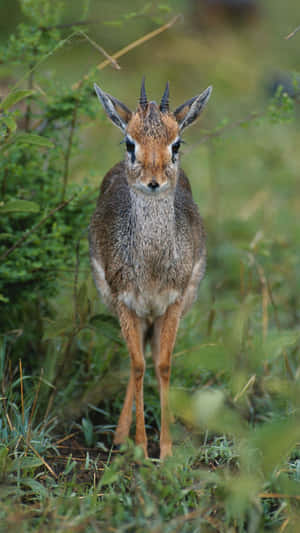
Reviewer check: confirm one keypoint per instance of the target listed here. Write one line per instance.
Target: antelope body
(147, 245)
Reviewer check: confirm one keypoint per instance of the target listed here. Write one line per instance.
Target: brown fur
(147, 246)
(143, 126)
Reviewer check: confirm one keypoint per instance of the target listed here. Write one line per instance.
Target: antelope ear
(188, 112)
(118, 113)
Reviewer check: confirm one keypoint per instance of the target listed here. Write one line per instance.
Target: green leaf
(19, 206)
(108, 325)
(277, 341)
(165, 8)
(31, 138)
(56, 328)
(88, 431)
(10, 123)
(109, 477)
(26, 463)
(4, 458)
(14, 97)
(103, 319)
(274, 441)
(36, 487)
(113, 23)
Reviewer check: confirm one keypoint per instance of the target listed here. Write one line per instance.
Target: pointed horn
(143, 97)
(164, 104)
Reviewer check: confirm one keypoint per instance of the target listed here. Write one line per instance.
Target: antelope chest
(149, 264)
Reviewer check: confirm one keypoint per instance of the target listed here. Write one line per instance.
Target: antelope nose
(153, 184)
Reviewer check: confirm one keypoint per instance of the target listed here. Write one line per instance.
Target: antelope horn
(143, 97)
(164, 104)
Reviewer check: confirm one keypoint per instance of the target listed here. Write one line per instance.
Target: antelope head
(153, 137)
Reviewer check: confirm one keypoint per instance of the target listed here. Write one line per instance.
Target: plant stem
(131, 46)
(75, 289)
(30, 87)
(68, 151)
(4, 181)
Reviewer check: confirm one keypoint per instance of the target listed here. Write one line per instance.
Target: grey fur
(147, 243)
(142, 242)
(147, 246)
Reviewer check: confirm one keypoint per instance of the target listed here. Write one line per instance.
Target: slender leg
(132, 331)
(155, 347)
(125, 419)
(155, 350)
(166, 329)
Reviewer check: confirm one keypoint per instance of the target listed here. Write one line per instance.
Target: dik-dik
(147, 244)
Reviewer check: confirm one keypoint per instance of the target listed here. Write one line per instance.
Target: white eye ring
(174, 148)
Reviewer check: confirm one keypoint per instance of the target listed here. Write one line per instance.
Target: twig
(227, 127)
(98, 47)
(33, 408)
(43, 461)
(68, 25)
(60, 44)
(142, 40)
(9, 422)
(68, 151)
(290, 35)
(277, 322)
(264, 285)
(28, 107)
(249, 383)
(49, 405)
(265, 298)
(66, 357)
(75, 289)
(67, 437)
(231, 126)
(267, 294)
(22, 391)
(131, 46)
(30, 87)
(4, 181)
(284, 525)
(265, 495)
(27, 234)
(288, 367)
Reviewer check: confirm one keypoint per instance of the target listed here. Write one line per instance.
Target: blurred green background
(236, 368)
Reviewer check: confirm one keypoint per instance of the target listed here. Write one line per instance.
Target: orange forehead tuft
(152, 123)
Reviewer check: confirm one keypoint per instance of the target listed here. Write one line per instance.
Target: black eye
(130, 146)
(175, 149)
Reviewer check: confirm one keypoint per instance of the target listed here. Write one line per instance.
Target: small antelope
(147, 244)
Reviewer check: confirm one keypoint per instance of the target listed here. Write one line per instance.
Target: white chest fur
(149, 304)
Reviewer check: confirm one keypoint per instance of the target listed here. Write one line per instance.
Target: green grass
(236, 369)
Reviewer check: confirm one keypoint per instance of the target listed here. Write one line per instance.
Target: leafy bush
(42, 217)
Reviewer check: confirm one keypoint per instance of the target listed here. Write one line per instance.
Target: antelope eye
(175, 149)
(130, 147)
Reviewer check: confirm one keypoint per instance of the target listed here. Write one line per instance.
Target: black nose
(153, 185)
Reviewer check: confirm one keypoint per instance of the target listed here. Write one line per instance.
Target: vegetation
(63, 365)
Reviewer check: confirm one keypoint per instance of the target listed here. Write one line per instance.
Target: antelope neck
(153, 224)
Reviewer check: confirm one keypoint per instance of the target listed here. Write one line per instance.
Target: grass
(236, 371)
